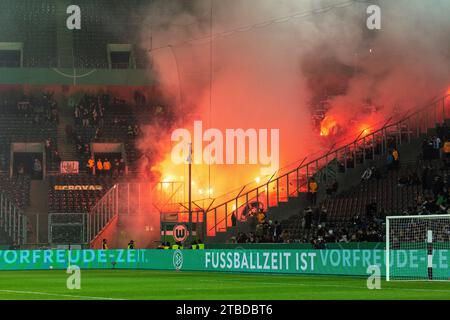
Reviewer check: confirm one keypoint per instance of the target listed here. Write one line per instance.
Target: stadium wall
(63, 76)
(309, 262)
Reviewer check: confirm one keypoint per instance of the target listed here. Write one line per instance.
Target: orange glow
(328, 126)
(365, 129)
(207, 182)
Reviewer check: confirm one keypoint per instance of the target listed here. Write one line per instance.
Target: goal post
(418, 247)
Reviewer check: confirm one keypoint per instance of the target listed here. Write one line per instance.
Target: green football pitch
(164, 285)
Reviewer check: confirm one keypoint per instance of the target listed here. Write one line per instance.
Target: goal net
(418, 247)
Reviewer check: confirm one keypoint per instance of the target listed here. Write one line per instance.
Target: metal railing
(12, 220)
(122, 199)
(103, 211)
(290, 182)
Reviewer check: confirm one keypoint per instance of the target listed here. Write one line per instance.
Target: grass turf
(165, 285)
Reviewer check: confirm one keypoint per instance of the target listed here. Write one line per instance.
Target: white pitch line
(329, 286)
(57, 294)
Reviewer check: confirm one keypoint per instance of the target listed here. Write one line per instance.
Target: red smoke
(269, 77)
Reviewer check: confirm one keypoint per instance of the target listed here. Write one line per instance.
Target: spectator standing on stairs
(312, 188)
(98, 134)
(437, 144)
(37, 169)
(85, 119)
(396, 160)
(130, 131)
(233, 219)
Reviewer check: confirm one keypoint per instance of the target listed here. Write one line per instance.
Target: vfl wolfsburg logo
(180, 232)
(177, 259)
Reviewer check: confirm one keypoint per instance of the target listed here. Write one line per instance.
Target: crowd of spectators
(42, 110)
(369, 226)
(317, 230)
(90, 110)
(102, 166)
(266, 232)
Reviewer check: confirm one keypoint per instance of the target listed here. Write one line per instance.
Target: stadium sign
(78, 187)
(69, 167)
(180, 232)
(329, 262)
(178, 259)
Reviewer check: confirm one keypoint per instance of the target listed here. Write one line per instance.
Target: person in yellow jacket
(91, 165)
(99, 167)
(313, 187)
(104, 244)
(261, 216)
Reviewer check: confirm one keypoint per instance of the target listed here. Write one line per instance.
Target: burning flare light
(328, 126)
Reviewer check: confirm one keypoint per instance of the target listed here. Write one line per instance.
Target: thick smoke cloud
(268, 76)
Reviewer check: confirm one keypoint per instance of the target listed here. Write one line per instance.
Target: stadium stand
(357, 214)
(76, 193)
(28, 118)
(90, 45)
(32, 23)
(104, 118)
(16, 188)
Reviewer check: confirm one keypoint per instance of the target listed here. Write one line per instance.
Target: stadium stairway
(37, 212)
(409, 152)
(66, 149)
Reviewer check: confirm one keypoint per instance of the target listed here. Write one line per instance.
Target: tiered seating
(24, 126)
(74, 199)
(33, 23)
(17, 189)
(116, 121)
(120, 17)
(389, 196)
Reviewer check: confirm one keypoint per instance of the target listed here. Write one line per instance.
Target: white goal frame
(429, 239)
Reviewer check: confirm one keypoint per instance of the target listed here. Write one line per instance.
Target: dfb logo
(74, 20)
(74, 281)
(374, 20)
(374, 280)
(180, 232)
(177, 260)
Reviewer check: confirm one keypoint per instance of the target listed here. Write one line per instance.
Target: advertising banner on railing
(330, 262)
(69, 167)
